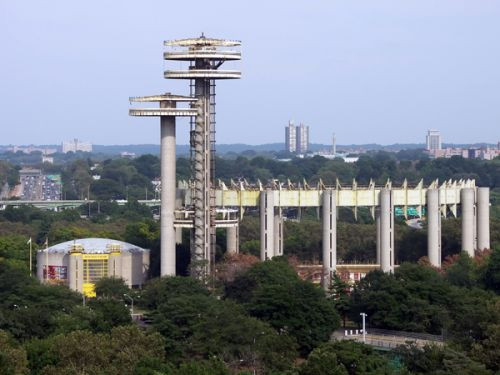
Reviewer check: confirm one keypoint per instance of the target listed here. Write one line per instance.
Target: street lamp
(132, 305)
(364, 326)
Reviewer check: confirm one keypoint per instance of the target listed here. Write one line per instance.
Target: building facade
(433, 140)
(297, 138)
(290, 137)
(302, 138)
(76, 145)
(79, 264)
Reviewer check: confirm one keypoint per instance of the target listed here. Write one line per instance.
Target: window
(95, 267)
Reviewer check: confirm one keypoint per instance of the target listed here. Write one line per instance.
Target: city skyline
(377, 75)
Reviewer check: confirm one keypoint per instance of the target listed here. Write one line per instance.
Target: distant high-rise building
(302, 138)
(76, 145)
(296, 138)
(433, 140)
(290, 137)
(334, 145)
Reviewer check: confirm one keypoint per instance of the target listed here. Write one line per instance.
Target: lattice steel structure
(205, 56)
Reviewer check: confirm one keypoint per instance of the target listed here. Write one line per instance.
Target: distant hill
(237, 148)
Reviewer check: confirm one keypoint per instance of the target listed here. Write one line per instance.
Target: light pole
(132, 305)
(364, 326)
(31, 255)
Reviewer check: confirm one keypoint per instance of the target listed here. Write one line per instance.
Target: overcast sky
(370, 71)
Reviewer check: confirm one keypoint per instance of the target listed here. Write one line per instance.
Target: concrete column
(483, 218)
(386, 230)
(232, 240)
(115, 264)
(329, 208)
(75, 275)
(467, 202)
(266, 224)
(178, 236)
(433, 228)
(278, 235)
(168, 189)
(377, 226)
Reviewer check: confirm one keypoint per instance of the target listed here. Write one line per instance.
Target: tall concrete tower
(302, 138)
(167, 111)
(433, 140)
(290, 137)
(204, 57)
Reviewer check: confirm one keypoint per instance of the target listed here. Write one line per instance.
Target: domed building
(81, 263)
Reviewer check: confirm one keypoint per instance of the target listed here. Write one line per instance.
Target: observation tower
(167, 111)
(204, 57)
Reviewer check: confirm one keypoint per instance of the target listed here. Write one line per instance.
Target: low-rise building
(80, 263)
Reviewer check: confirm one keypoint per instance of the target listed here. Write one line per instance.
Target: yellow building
(82, 262)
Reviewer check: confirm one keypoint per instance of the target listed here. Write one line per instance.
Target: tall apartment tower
(302, 138)
(290, 137)
(76, 145)
(433, 140)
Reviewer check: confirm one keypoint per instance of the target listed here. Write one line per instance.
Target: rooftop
(94, 246)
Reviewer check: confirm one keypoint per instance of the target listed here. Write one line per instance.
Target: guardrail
(413, 335)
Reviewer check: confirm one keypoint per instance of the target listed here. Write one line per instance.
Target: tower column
(168, 188)
(483, 218)
(467, 202)
(278, 235)
(377, 226)
(266, 224)
(329, 224)
(386, 230)
(115, 263)
(76, 271)
(433, 228)
(232, 240)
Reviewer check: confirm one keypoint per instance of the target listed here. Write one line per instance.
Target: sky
(369, 71)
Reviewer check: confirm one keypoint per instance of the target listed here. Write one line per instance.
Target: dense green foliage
(263, 317)
(345, 358)
(262, 320)
(273, 292)
(195, 324)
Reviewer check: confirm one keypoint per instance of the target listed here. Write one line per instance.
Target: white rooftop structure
(94, 246)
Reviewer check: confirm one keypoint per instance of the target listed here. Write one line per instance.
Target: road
(388, 341)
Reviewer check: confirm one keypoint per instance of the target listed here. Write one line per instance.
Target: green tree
(111, 287)
(109, 313)
(491, 275)
(462, 272)
(160, 290)
(13, 359)
(273, 292)
(486, 349)
(434, 360)
(414, 298)
(339, 295)
(196, 324)
(119, 352)
(345, 357)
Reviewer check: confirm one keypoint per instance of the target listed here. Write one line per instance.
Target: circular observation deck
(201, 41)
(202, 73)
(190, 55)
(162, 112)
(162, 98)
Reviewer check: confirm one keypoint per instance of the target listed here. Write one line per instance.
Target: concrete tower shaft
(483, 218)
(204, 56)
(467, 198)
(433, 227)
(167, 112)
